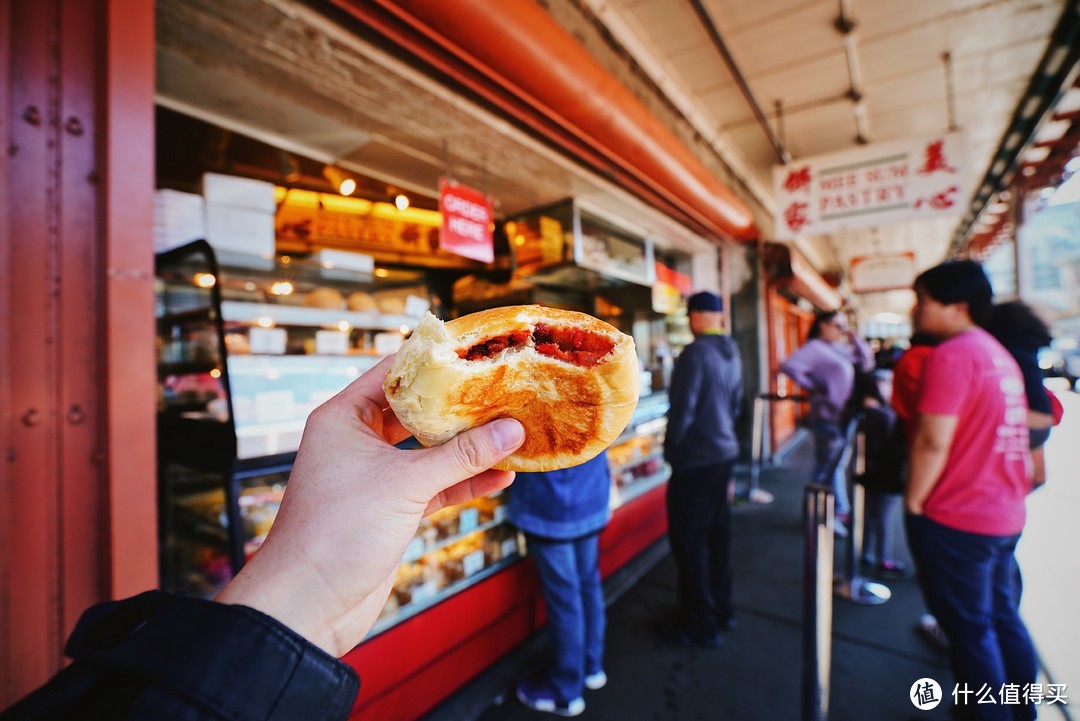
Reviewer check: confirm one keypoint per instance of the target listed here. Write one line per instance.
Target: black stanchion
(818, 520)
(852, 586)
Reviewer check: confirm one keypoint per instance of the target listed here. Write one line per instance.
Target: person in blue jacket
(562, 513)
(706, 398)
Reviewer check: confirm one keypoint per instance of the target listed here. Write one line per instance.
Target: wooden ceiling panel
(728, 106)
(908, 90)
(890, 56)
(796, 38)
(803, 81)
(701, 70)
(825, 129)
(669, 32)
(737, 16)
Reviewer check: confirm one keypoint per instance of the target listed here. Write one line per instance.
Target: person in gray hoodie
(706, 397)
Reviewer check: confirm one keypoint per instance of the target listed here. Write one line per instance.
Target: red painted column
(77, 385)
(126, 107)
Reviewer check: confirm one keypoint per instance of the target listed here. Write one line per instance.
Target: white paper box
(346, 260)
(179, 218)
(387, 343)
(240, 230)
(239, 192)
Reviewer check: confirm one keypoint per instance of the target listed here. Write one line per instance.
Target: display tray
(625, 494)
(409, 610)
(233, 311)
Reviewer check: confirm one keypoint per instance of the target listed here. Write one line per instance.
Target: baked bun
(571, 380)
(362, 302)
(323, 297)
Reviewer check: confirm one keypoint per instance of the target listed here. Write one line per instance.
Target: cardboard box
(239, 192)
(240, 230)
(179, 218)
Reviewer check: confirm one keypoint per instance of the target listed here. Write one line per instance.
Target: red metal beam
(513, 55)
(78, 493)
(32, 647)
(126, 106)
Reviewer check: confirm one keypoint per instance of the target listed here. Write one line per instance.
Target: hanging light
(345, 183)
(205, 280)
(401, 201)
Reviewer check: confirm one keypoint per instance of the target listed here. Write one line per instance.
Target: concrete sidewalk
(877, 654)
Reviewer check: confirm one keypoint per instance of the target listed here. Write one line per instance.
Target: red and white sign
(467, 221)
(869, 186)
(871, 273)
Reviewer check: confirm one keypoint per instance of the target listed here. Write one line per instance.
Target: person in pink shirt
(967, 481)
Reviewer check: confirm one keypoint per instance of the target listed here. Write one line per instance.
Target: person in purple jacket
(825, 368)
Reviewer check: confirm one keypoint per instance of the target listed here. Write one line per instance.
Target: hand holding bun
(570, 379)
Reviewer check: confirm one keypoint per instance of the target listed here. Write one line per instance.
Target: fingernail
(508, 433)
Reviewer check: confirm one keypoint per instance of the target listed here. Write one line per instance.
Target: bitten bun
(572, 380)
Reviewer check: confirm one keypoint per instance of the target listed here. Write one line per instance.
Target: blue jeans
(968, 582)
(699, 528)
(830, 461)
(570, 582)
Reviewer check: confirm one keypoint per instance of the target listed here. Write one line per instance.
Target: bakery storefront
(300, 161)
(271, 298)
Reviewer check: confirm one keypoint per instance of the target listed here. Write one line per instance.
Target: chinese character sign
(874, 185)
(467, 221)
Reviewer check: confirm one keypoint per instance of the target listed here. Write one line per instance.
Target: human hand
(352, 505)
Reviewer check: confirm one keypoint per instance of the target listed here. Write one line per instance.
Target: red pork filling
(570, 345)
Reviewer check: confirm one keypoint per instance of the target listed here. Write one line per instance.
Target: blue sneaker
(596, 681)
(539, 696)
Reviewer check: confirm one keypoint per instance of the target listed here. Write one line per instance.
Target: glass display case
(247, 348)
(637, 455)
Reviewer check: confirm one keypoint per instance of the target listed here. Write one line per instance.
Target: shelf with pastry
(451, 525)
(448, 570)
(267, 314)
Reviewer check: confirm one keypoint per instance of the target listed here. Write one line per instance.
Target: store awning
(512, 53)
(788, 267)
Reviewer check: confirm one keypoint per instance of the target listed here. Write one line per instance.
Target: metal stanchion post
(817, 601)
(853, 586)
(754, 494)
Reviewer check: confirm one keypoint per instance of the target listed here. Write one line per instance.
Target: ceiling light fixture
(345, 183)
(401, 201)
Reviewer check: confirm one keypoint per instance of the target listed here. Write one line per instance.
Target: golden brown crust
(570, 413)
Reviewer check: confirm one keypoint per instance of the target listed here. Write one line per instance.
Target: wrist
(284, 596)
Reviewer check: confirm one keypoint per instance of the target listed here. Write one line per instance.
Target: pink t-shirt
(984, 484)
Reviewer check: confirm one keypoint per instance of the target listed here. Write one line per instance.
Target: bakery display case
(637, 455)
(247, 348)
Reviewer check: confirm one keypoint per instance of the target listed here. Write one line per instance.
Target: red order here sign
(467, 221)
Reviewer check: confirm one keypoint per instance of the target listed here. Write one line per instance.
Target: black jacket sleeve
(159, 657)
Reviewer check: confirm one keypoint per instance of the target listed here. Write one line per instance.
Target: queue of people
(968, 420)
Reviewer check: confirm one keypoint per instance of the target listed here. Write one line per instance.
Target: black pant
(699, 528)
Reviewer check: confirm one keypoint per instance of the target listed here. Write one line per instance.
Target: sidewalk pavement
(877, 653)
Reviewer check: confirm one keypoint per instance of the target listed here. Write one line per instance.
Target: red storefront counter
(408, 669)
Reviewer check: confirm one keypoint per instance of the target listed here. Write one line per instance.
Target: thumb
(472, 452)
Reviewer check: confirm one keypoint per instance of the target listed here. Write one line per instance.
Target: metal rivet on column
(32, 115)
(31, 418)
(74, 126)
(75, 415)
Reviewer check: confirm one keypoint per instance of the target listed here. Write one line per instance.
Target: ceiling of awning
(792, 53)
(287, 74)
